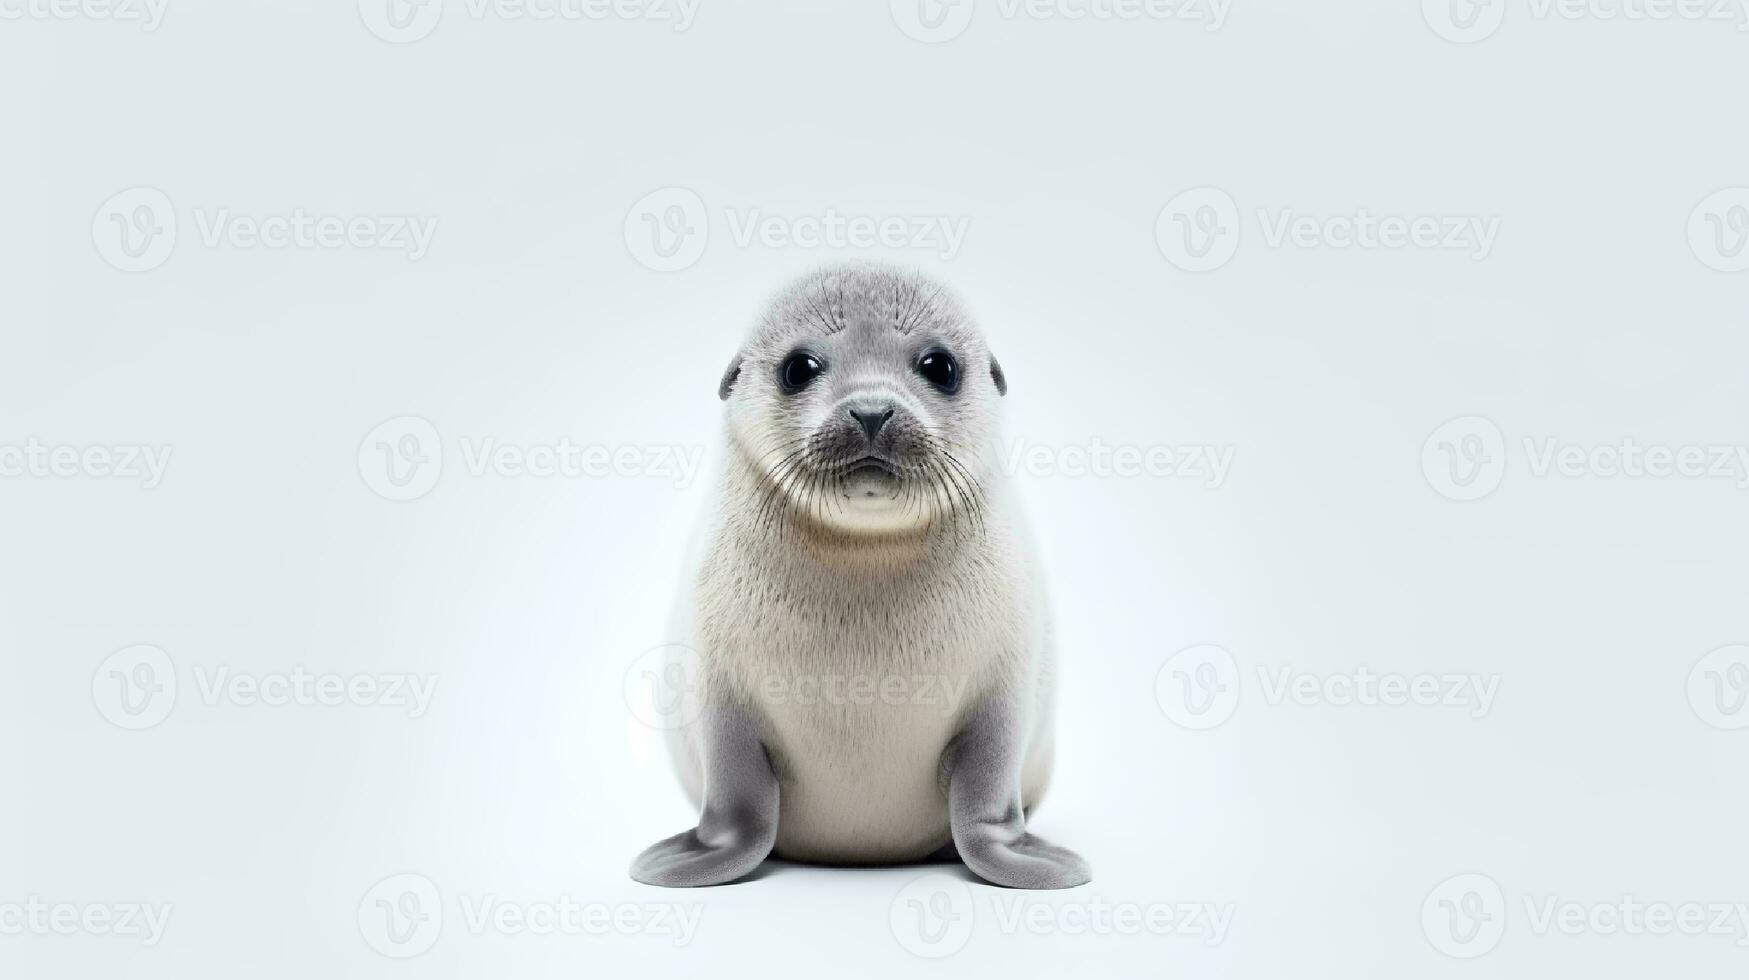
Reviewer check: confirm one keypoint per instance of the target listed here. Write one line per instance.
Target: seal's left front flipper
(739, 824)
(982, 767)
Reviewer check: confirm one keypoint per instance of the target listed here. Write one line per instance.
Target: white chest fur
(862, 675)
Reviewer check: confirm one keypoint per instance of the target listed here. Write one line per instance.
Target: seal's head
(863, 402)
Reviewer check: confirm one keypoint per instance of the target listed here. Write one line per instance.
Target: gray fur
(912, 594)
(739, 822)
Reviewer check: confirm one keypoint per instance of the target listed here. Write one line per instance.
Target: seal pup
(871, 653)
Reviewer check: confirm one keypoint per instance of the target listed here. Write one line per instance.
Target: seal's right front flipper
(982, 769)
(739, 823)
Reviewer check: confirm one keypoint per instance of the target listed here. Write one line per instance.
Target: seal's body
(872, 651)
(861, 676)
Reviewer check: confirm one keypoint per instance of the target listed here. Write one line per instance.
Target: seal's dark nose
(871, 421)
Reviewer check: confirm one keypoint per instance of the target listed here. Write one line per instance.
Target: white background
(1329, 546)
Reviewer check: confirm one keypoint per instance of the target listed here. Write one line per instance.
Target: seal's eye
(940, 369)
(797, 371)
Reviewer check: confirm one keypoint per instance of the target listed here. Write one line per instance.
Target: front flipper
(984, 807)
(739, 823)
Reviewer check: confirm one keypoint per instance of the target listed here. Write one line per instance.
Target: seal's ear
(997, 376)
(727, 385)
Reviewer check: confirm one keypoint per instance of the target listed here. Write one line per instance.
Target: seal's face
(864, 402)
